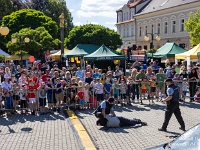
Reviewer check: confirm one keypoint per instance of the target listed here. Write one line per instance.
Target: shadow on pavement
(114, 130)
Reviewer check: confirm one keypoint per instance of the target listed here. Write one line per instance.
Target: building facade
(126, 24)
(163, 18)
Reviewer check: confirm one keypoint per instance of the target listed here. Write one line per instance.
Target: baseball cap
(168, 80)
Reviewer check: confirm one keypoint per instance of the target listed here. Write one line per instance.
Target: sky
(101, 12)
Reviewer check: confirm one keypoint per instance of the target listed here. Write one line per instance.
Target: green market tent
(81, 50)
(103, 53)
(167, 50)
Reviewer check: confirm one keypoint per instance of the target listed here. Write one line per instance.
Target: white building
(126, 25)
(161, 17)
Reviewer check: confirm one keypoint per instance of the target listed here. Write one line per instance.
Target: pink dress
(86, 95)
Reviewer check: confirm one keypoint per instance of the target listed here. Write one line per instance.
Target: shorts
(100, 97)
(32, 100)
(116, 95)
(50, 98)
(16, 97)
(143, 91)
(23, 104)
(59, 97)
(42, 102)
(123, 96)
(153, 89)
(81, 102)
(8, 103)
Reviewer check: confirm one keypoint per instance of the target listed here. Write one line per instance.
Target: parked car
(189, 140)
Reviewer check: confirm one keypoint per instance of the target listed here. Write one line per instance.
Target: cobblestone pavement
(139, 138)
(46, 132)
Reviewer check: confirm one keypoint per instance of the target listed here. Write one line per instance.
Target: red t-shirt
(36, 81)
(30, 90)
(45, 77)
(80, 95)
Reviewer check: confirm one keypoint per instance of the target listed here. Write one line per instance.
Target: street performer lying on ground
(106, 108)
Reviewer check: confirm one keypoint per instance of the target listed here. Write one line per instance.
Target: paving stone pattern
(46, 132)
(139, 138)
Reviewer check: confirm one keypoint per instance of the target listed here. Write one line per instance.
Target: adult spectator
(79, 73)
(193, 76)
(160, 78)
(135, 85)
(96, 73)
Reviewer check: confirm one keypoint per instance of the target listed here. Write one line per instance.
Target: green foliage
(29, 18)
(152, 50)
(93, 34)
(54, 9)
(6, 8)
(192, 26)
(21, 53)
(40, 40)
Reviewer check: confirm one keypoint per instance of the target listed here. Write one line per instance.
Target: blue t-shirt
(107, 87)
(50, 91)
(96, 75)
(59, 90)
(79, 74)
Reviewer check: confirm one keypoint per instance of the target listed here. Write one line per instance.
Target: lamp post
(26, 40)
(62, 23)
(4, 30)
(146, 38)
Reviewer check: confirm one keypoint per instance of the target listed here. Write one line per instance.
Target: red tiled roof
(131, 5)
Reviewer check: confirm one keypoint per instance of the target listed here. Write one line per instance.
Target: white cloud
(71, 10)
(100, 8)
(94, 23)
(88, 14)
(77, 23)
(111, 23)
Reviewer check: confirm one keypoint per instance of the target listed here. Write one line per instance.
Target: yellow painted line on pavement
(85, 138)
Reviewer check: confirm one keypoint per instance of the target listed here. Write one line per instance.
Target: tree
(40, 40)
(6, 8)
(29, 18)
(192, 26)
(93, 34)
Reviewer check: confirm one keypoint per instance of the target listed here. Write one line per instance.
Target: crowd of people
(50, 86)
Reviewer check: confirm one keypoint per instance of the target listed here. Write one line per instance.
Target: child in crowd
(144, 89)
(23, 100)
(86, 94)
(152, 88)
(1, 98)
(197, 95)
(178, 82)
(107, 89)
(15, 96)
(80, 95)
(184, 88)
(123, 88)
(115, 87)
(42, 97)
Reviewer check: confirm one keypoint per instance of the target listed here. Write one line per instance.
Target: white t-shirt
(113, 121)
(7, 85)
(99, 88)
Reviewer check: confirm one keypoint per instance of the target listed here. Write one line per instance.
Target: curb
(84, 137)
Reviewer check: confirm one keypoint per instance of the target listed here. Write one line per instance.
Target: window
(140, 32)
(127, 16)
(145, 47)
(158, 29)
(182, 25)
(146, 30)
(124, 17)
(127, 32)
(166, 28)
(173, 26)
(132, 30)
(124, 32)
(152, 29)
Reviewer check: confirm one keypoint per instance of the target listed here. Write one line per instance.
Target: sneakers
(162, 129)
(143, 124)
(181, 128)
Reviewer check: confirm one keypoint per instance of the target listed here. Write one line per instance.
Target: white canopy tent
(4, 53)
